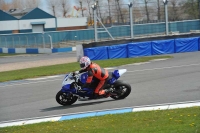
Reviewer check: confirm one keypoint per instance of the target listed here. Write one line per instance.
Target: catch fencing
(36, 40)
(117, 21)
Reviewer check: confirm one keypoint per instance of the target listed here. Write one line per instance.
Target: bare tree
(86, 6)
(176, 10)
(158, 13)
(3, 5)
(173, 5)
(81, 5)
(137, 12)
(22, 4)
(191, 7)
(52, 4)
(89, 3)
(31, 3)
(17, 4)
(65, 7)
(110, 18)
(146, 9)
(99, 8)
(117, 2)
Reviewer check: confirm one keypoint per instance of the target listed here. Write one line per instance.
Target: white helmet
(84, 62)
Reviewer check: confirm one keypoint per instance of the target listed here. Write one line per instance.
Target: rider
(94, 70)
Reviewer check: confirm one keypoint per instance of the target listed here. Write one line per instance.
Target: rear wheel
(65, 98)
(122, 90)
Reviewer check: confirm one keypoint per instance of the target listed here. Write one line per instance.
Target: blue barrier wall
(144, 49)
(187, 44)
(162, 47)
(117, 51)
(139, 49)
(98, 53)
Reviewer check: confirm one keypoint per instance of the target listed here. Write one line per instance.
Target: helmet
(84, 62)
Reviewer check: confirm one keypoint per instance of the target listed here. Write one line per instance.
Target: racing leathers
(94, 70)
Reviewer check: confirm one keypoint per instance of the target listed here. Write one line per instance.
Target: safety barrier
(35, 50)
(57, 38)
(149, 48)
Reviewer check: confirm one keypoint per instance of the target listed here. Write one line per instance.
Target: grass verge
(65, 68)
(185, 120)
(4, 54)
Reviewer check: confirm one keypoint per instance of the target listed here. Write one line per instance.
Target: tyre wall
(148, 48)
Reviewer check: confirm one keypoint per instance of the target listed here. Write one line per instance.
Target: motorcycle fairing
(83, 77)
(67, 88)
(85, 92)
(67, 80)
(116, 74)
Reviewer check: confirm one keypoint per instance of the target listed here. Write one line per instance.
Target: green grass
(161, 121)
(65, 68)
(4, 54)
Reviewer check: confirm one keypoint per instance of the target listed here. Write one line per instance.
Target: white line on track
(160, 59)
(34, 79)
(14, 84)
(164, 106)
(161, 68)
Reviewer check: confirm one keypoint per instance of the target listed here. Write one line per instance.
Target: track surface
(157, 82)
(35, 57)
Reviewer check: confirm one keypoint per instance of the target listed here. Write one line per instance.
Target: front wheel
(122, 90)
(65, 99)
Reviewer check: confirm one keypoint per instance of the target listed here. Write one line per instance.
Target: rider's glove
(75, 73)
(79, 88)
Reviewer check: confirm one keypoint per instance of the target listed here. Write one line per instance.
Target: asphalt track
(155, 82)
(35, 57)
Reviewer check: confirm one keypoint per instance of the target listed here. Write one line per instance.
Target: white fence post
(51, 41)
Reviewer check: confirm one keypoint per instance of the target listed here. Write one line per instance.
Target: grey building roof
(18, 13)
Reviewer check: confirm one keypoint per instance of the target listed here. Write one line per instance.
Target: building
(36, 20)
(8, 23)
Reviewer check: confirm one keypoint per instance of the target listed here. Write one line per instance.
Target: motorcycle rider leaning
(94, 70)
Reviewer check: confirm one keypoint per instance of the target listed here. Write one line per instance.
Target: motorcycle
(71, 87)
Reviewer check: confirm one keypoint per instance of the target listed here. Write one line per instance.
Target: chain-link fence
(149, 18)
(25, 41)
(113, 19)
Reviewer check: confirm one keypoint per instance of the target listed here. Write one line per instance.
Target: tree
(173, 10)
(158, 13)
(85, 7)
(146, 9)
(52, 4)
(99, 8)
(64, 7)
(109, 11)
(191, 7)
(86, 4)
(89, 2)
(22, 4)
(3, 5)
(31, 3)
(117, 2)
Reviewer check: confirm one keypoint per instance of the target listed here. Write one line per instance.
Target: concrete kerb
(166, 106)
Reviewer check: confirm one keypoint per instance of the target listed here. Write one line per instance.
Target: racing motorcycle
(71, 87)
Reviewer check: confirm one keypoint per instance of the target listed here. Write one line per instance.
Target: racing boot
(105, 93)
(95, 96)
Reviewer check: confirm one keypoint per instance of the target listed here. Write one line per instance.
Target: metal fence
(116, 21)
(26, 41)
(146, 17)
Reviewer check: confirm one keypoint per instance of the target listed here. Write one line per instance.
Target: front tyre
(122, 90)
(65, 99)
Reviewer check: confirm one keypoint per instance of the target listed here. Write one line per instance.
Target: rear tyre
(122, 90)
(65, 98)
